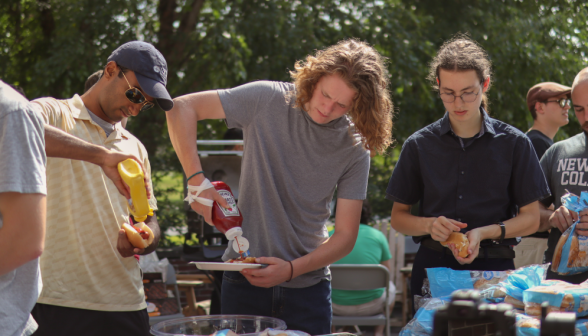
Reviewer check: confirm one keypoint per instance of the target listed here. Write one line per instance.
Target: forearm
(335, 248)
(410, 225)
(22, 235)
(182, 128)
(524, 224)
(544, 214)
(63, 145)
(153, 224)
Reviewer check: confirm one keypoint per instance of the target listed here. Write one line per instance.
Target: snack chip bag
(570, 256)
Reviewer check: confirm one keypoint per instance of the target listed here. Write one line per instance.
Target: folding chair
(362, 277)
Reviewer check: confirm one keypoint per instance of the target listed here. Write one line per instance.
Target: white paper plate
(221, 266)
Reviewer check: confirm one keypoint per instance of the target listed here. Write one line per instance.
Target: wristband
(190, 198)
(291, 271)
(200, 172)
(502, 231)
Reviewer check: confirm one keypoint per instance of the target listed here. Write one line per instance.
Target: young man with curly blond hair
(302, 140)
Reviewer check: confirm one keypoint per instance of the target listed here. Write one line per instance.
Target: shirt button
(460, 197)
(462, 172)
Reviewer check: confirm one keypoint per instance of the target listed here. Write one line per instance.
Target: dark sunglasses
(562, 102)
(135, 96)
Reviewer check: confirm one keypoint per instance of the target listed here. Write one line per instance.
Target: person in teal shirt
(371, 247)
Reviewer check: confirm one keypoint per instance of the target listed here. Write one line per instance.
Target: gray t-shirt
(291, 168)
(105, 125)
(22, 170)
(565, 165)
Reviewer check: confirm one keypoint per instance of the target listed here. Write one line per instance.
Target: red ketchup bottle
(228, 221)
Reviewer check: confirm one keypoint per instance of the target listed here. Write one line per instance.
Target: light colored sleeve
(152, 200)
(55, 112)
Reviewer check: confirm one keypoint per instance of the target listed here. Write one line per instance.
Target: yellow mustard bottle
(132, 174)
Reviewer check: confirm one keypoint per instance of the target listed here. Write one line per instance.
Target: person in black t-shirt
(549, 104)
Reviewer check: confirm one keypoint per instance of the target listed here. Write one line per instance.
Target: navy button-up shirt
(477, 181)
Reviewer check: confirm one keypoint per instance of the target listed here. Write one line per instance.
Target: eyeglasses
(466, 97)
(562, 102)
(135, 96)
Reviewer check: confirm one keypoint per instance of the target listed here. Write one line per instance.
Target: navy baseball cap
(150, 69)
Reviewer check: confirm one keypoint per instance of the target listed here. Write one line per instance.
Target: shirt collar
(79, 111)
(486, 124)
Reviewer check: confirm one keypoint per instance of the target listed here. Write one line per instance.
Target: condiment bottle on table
(228, 221)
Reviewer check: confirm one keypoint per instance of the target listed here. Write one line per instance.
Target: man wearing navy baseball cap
(92, 283)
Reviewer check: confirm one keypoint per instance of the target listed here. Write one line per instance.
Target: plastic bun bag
(422, 323)
(570, 256)
(444, 281)
(520, 280)
(528, 326)
(582, 328)
(561, 296)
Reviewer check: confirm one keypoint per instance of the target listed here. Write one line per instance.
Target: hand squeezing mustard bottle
(139, 234)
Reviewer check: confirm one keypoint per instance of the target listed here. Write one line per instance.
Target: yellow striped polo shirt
(80, 266)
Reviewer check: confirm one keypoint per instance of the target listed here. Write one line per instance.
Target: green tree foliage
(49, 47)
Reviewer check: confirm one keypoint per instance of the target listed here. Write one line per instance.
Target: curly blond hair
(364, 70)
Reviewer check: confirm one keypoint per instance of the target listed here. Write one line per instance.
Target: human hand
(109, 165)
(124, 247)
(474, 238)
(277, 272)
(582, 226)
(206, 211)
(563, 218)
(442, 227)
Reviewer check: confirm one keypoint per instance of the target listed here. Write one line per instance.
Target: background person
(92, 79)
(86, 268)
(470, 173)
(549, 104)
(565, 165)
(299, 145)
(371, 247)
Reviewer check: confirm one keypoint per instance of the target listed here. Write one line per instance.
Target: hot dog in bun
(139, 235)
(460, 241)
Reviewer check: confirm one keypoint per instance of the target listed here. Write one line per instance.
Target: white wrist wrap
(199, 189)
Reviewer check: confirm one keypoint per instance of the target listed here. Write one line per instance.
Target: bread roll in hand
(460, 241)
(139, 235)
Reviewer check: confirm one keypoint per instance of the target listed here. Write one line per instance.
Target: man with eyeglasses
(91, 283)
(549, 104)
(566, 166)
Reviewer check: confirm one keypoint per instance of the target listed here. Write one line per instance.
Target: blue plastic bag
(444, 281)
(527, 325)
(582, 328)
(422, 323)
(570, 255)
(523, 278)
